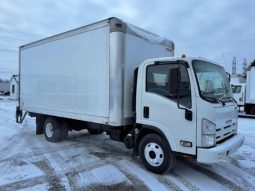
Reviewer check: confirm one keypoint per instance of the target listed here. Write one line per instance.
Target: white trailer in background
(249, 106)
(99, 77)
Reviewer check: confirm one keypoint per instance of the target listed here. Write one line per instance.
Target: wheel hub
(154, 154)
(49, 130)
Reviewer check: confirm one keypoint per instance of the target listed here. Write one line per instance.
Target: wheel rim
(49, 130)
(154, 154)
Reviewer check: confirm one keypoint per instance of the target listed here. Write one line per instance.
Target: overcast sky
(216, 29)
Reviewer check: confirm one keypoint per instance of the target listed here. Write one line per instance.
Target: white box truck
(249, 105)
(100, 78)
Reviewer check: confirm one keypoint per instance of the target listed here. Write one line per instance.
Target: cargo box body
(250, 88)
(87, 73)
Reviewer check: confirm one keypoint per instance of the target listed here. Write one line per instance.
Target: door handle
(146, 112)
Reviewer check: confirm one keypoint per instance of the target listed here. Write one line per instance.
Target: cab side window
(157, 81)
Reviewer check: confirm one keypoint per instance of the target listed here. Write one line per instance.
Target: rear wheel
(39, 125)
(94, 131)
(52, 130)
(249, 109)
(156, 154)
(64, 130)
(252, 109)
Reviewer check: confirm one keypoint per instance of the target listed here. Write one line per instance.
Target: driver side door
(160, 108)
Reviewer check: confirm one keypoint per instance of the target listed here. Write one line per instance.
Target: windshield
(212, 81)
(236, 89)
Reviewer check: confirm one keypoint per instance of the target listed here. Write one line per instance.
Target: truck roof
(115, 25)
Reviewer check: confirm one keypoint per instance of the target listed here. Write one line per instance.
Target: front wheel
(156, 154)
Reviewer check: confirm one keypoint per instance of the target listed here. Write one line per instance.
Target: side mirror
(173, 78)
(228, 76)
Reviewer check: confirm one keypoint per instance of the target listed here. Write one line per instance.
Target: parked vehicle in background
(238, 91)
(14, 83)
(114, 77)
(249, 106)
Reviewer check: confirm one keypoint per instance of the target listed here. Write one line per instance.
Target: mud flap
(19, 115)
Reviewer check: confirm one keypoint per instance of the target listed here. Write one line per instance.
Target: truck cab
(238, 90)
(184, 106)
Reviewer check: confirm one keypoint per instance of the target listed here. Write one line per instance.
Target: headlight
(208, 140)
(208, 127)
(208, 133)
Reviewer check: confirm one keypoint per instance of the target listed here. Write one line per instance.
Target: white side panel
(250, 86)
(68, 77)
(137, 50)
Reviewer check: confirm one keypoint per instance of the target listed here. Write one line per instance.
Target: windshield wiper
(229, 98)
(215, 99)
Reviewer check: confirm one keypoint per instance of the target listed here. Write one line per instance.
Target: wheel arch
(149, 129)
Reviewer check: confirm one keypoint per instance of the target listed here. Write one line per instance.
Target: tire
(252, 109)
(39, 125)
(156, 154)
(247, 109)
(94, 131)
(52, 130)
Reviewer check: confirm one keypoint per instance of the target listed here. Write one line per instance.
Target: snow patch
(104, 175)
(11, 172)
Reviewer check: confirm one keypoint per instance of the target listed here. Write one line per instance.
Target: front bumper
(221, 151)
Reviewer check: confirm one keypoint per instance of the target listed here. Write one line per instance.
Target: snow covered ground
(93, 162)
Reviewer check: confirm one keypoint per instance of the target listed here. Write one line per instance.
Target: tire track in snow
(238, 175)
(198, 179)
(114, 153)
(161, 178)
(37, 151)
(147, 178)
(169, 183)
(216, 177)
(110, 157)
(46, 166)
(71, 170)
(185, 182)
(24, 183)
(55, 182)
(138, 184)
(61, 164)
(30, 182)
(250, 171)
